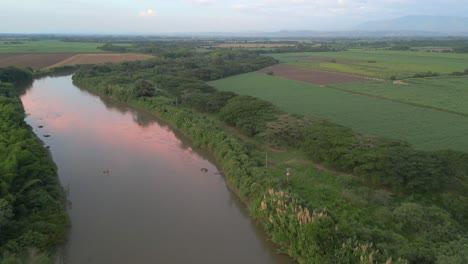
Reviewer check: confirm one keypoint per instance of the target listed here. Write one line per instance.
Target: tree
(5, 213)
(144, 88)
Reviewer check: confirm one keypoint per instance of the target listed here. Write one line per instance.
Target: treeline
(187, 48)
(176, 67)
(155, 47)
(399, 43)
(33, 219)
(419, 198)
(463, 49)
(302, 47)
(114, 48)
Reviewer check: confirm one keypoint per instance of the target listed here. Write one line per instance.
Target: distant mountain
(418, 23)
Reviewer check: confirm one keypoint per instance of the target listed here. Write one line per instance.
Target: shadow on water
(145, 118)
(22, 88)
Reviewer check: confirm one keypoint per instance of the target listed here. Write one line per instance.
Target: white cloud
(244, 7)
(147, 13)
(203, 2)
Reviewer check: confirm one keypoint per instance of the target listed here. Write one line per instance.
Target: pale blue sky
(163, 16)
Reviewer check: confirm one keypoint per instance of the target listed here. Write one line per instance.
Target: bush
(15, 75)
(144, 88)
(32, 214)
(426, 74)
(249, 114)
(210, 102)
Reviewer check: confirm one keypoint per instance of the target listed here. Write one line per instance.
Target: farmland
(50, 46)
(365, 184)
(446, 93)
(50, 60)
(312, 76)
(100, 58)
(377, 63)
(54, 53)
(425, 128)
(253, 45)
(35, 61)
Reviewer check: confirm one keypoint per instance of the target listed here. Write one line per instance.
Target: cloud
(244, 7)
(147, 13)
(203, 2)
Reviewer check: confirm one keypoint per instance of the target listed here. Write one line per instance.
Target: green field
(50, 46)
(423, 127)
(384, 63)
(445, 93)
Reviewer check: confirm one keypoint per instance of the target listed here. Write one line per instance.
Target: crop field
(253, 45)
(100, 58)
(35, 61)
(425, 128)
(377, 63)
(50, 60)
(50, 46)
(312, 76)
(446, 93)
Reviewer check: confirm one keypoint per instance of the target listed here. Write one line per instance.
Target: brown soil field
(252, 45)
(312, 76)
(100, 58)
(35, 61)
(50, 60)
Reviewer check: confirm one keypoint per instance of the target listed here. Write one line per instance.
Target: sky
(177, 16)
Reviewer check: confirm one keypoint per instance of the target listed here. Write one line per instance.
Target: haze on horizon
(172, 16)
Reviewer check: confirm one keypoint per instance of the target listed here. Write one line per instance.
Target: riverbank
(136, 184)
(295, 229)
(33, 219)
(369, 190)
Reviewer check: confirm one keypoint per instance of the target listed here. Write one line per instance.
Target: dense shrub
(15, 75)
(144, 88)
(426, 74)
(249, 114)
(32, 213)
(210, 102)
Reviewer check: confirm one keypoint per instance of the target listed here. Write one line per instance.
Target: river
(136, 189)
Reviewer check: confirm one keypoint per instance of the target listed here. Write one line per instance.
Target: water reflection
(136, 187)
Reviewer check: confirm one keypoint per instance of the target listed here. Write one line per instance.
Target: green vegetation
(463, 49)
(445, 93)
(379, 63)
(50, 46)
(365, 114)
(393, 201)
(33, 219)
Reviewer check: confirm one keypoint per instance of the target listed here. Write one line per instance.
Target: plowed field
(41, 61)
(312, 76)
(35, 61)
(100, 58)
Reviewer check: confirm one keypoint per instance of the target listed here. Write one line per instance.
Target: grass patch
(445, 93)
(50, 46)
(384, 64)
(425, 128)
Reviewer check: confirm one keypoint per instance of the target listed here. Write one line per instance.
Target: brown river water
(135, 187)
